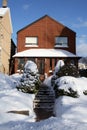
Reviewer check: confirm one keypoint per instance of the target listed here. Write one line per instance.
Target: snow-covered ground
(71, 113)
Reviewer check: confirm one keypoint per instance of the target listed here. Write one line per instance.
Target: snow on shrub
(70, 86)
(58, 66)
(30, 81)
(66, 85)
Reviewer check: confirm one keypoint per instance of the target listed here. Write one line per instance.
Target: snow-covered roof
(3, 11)
(45, 53)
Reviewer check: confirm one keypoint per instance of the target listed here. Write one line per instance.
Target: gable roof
(44, 18)
(45, 53)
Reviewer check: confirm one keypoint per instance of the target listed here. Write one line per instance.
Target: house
(5, 37)
(45, 41)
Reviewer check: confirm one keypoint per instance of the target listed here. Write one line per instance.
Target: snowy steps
(45, 98)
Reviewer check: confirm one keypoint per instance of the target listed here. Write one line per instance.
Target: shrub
(70, 92)
(30, 80)
(68, 70)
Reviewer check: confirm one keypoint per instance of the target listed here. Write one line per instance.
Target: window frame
(21, 63)
(60, 44)
(33, 39)
(41, 65)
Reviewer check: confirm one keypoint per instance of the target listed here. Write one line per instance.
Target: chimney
(4, 3)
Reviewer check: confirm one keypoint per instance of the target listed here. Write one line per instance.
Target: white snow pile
(72, 108)
(5, 82)
(71, 113)
(15, 78)
(11, 99)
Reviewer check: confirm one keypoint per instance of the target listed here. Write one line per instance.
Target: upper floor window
(31, 41)
(61, 41)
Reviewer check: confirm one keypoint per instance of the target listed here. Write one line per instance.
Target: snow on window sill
(60, 46)
(31, 45)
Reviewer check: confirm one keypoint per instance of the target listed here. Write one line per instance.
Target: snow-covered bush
(68, 70)
(30, 81)
(66, 85)
(64, 70)
(58, 66)
(70, 92)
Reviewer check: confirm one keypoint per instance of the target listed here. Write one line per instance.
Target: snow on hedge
(77, 84)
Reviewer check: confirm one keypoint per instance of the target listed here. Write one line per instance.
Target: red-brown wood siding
(46, 29)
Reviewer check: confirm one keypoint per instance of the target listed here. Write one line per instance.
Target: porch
(45, 59)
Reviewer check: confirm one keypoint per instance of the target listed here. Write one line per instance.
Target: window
(41, 65)
(21, 63)
(30, 59)
(31, 41)
(50, 63)
(61, 41)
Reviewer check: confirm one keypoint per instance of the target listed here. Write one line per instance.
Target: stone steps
(45, 98)
(43, 101)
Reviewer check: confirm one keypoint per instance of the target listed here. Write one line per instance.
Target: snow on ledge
(3, 11)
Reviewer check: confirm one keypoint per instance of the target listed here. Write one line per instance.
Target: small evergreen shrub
(65, 70)
(70, 92)
(85, 92)
(30, 81)
(68, 70)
